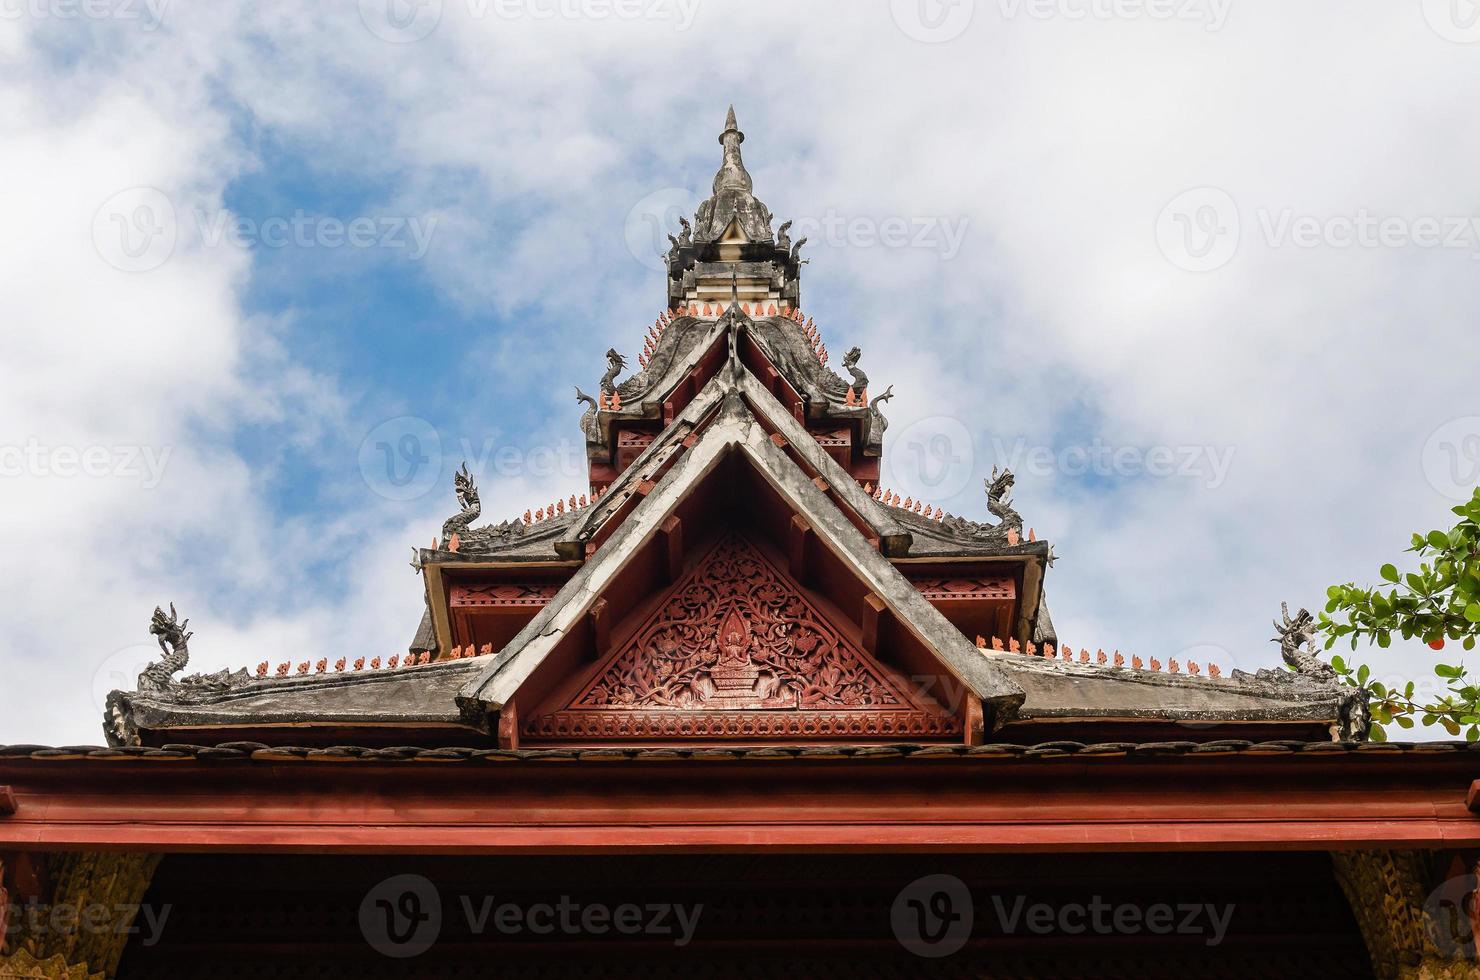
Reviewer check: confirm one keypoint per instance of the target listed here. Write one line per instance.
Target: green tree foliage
(1437, 604)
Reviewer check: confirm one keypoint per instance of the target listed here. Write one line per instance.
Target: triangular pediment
(734, 234)
(725, 470)
(736, 649)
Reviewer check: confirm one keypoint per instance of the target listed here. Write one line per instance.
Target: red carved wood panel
(502, 595)
(937, 587)
(737, 651)
(834, 438)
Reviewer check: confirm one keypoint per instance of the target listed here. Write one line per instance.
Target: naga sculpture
(783, 240)
(879, 421)
(796, 250)
(467, 499)
(174, 640)
(850, 364)
(684, 237)
(615, 365)
(1297, 640)
(999, 503)
(589, 425)
(999, 500)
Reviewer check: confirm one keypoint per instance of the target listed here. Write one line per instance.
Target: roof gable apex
(737, 429)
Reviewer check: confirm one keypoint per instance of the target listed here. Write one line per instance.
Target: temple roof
(738, 429)
(734, 414)
(731, 394)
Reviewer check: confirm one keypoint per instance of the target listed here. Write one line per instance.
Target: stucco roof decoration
(733, 202)
(1116, 659)
(360, 664)
(343, 666)
(1007, 530)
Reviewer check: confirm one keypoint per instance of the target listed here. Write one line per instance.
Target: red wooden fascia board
(486, 808)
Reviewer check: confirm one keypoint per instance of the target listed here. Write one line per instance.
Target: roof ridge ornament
(1297, 640)
(174, 641)
(733, 202)
(732, 173)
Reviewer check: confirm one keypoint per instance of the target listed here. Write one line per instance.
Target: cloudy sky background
(1093, 240)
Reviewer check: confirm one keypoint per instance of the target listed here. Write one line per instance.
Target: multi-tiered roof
(733, 572)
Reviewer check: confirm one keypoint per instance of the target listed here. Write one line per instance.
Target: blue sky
(1128, 255)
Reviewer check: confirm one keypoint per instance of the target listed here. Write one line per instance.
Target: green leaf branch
(1437, 604)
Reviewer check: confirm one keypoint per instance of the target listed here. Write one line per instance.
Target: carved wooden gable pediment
(737, 651)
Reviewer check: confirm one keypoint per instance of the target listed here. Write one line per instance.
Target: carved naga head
(168, 628)
(464, 487)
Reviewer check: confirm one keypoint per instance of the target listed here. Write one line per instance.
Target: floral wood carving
(737, 651)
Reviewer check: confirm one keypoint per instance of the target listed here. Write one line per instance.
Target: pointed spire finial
(732, 174)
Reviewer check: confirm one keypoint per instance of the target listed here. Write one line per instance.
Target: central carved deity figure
(736, 680)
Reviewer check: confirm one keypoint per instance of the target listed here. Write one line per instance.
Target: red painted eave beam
(654, 807)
